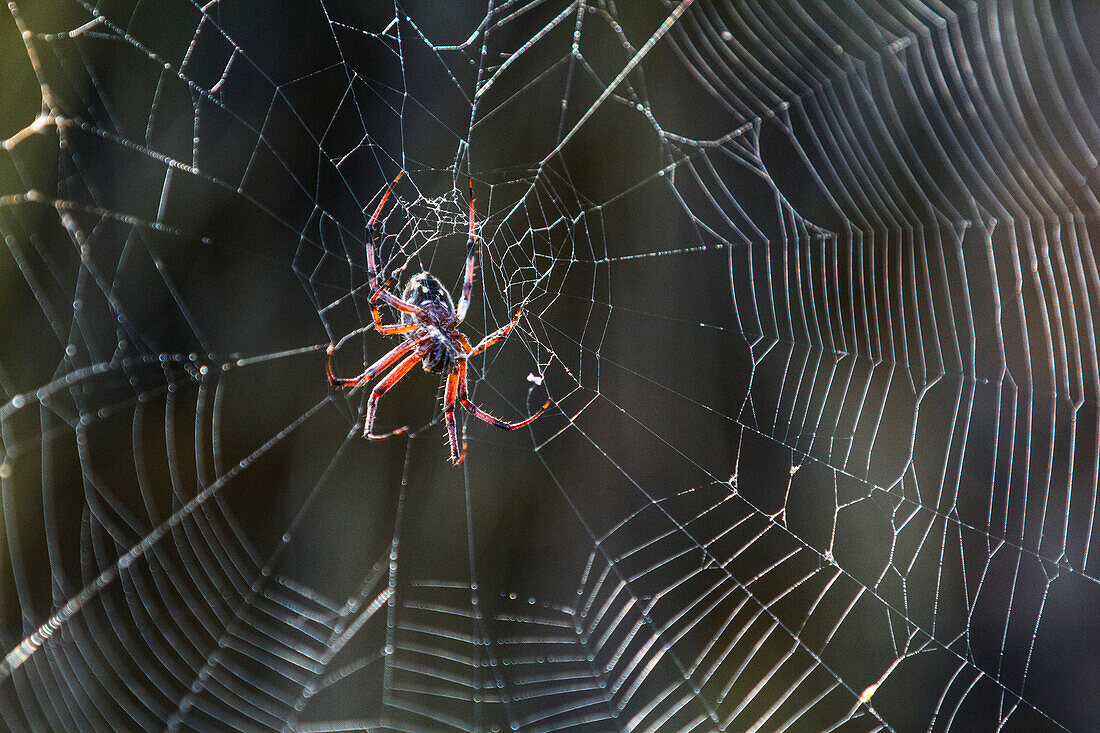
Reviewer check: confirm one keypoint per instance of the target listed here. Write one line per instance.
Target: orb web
(810, 287)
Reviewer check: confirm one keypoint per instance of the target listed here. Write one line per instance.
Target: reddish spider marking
(430, 318)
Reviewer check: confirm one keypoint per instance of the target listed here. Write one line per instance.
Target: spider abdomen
(425, 291)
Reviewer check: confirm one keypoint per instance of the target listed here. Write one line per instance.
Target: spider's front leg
(379, 292)
(391, 330)
(372, 265)
(471, 264)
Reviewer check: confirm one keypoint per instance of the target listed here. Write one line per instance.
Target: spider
(429, 316)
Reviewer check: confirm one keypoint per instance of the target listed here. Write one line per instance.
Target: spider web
(810, 286)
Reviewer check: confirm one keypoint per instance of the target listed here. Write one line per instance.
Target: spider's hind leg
(387, 360)
(457, 455)
(481, 414)
(496, 335)
(380, 389)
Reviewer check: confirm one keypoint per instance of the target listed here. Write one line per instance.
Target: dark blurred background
(812, 291)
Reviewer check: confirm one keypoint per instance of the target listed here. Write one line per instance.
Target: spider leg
(496, 335)
(388, 359)
(388, 330)
(471, 263)
(393, 300)
(379, 292)
(380, 389)
(372, 267)
(457, 456)
(463, 341)
(482, 414)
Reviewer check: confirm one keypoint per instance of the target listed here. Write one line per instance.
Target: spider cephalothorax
(430, 317)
